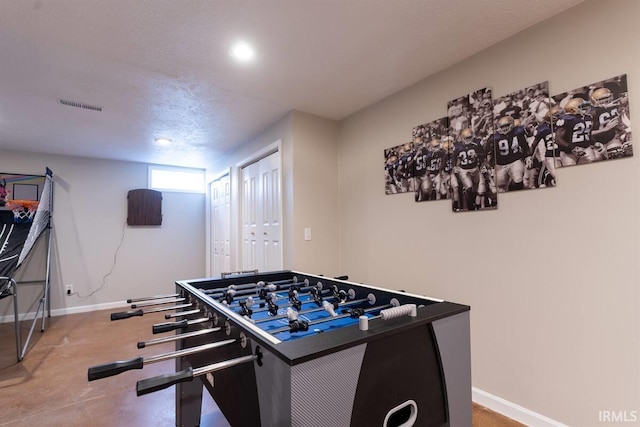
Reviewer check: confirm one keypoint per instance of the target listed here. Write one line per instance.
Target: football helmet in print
(466, 135)
(505, 124)
(577, 106)
(601, 97)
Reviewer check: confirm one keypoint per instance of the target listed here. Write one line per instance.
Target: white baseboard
(512, 410)
(67, 310)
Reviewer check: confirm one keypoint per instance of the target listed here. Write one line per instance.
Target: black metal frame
(12, 288)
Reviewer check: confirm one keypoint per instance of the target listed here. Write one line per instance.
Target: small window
(165, 178)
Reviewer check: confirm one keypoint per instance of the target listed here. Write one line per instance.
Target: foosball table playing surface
(287, 348)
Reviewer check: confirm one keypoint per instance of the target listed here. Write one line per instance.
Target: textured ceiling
(161, 67)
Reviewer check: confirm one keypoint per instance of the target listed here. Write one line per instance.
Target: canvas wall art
(593, 123)
(470, 126)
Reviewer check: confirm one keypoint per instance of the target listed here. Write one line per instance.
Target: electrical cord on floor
(113, 266)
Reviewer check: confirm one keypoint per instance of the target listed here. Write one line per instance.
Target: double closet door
(262, 215)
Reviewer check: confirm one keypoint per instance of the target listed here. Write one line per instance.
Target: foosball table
(293, 349)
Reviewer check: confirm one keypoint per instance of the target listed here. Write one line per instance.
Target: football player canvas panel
(432, 161)
(523, 141)
(470, 126)
(592, 123)
(399, 169)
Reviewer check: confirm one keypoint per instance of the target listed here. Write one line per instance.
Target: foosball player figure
(273, 307)
(317, 296)
(353, 312)
(337, 294)
(296, 325)
(293, 299)
(244, 309)
(228, 297)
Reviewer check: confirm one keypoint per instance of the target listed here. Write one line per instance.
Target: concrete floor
(50, 388)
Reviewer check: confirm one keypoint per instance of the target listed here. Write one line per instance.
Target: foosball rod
(317, 286)
(253, 285)
(313, 310)
(250, 287)
(115, 368)
(339, 294)
(159, 328)
(254, 289)
(285, 304)
(143, 344)
(130, 300)
(328, 319)
(127, 314)
(216, 293)
(392, 313)
(399, 311)
(250, 299)
(182, 313)
(157, 302)
(161, 382)
(350, 294)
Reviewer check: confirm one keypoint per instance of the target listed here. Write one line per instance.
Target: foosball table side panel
(273, 380)
(401, 370)
(323, 389)
(454, 345)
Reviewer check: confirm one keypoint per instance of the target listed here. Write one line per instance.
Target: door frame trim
(274, 147)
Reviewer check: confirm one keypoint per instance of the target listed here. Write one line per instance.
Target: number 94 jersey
(511, 146)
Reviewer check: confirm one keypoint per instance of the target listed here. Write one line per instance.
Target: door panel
(220, 241)
(261, 212)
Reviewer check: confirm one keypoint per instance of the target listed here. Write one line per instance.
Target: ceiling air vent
(79, 105)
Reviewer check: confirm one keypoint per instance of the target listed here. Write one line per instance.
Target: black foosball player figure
(338, 294)
(227, 298)
(244, 309)
(293, 299)
(262, 293)
(353, 312)
(273, 307)
(295, 287)
(316, 295)
(296, 325)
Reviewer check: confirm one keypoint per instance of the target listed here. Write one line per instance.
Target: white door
(270, 240)
(220, 192)
(262, 215)
(250, 223)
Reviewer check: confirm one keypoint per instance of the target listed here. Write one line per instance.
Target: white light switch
(307, 234)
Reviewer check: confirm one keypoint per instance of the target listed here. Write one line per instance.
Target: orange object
(30, 205)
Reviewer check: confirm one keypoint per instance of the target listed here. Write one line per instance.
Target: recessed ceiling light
(242, 51)
(163, 141)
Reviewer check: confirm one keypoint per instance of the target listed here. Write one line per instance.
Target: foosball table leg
(188, 399)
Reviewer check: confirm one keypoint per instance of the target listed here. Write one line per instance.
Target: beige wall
(90, 210)
(315, 175)
(552, 275)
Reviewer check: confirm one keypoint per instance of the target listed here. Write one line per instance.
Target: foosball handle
(166, 327)
(111, 369)
(163, 381)
(126, 314)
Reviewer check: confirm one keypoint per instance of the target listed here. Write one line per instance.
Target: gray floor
(50, 388)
